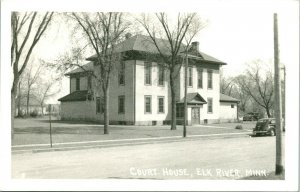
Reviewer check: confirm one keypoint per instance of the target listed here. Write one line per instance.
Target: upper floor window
(148, 104)
(209, 79)
(89, 82)
(161, 105)
(209, 105)
(190, 76)
(200, 78)
(122, 73)
(77, 83)
(121, 104)
(148, 73)
(161, 74)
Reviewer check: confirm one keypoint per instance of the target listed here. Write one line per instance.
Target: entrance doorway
(195, 115)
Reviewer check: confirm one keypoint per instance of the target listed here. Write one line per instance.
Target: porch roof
(75, 96)
(226, 98)
(193, 98)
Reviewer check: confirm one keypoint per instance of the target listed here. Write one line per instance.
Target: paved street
(223, 158)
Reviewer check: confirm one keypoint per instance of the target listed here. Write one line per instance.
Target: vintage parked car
(265, 126)
(251, 117)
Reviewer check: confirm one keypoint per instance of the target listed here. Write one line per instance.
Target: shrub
(34, 113)
(239, 127)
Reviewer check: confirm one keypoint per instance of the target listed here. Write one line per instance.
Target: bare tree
(23, 25)
(227, 84)
(103, 32)
(240, 93)
(46, 90)
(170, 50)
(31, 77)
(259, 86)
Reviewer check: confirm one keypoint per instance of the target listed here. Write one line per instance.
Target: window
(121, 104)
(77, 83)
(147, 104)
(89, 83)
(161, 105)
(200, 78)
(180, 111)
(232, 105)
(209, 105)
(209, 79)
(99, 105)
(122, 73)
(147, 73)
(190, 76)
(161, 74)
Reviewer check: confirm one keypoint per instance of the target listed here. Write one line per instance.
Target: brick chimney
(195, 45)
(127, 35)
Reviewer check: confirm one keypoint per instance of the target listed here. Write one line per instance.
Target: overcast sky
(237, 31)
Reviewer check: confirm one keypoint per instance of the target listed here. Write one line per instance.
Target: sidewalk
(34, 134)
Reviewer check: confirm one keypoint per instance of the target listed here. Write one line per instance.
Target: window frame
(121, 73)
(145, 104)
(77, 83)
(210, 102)
(209, 79)
(200, 71)
(89, 82)
(119, 106)
(160, 71)
(190, 76)
(147, 66)
(163, 104)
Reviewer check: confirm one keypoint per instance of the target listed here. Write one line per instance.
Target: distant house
(139, 91)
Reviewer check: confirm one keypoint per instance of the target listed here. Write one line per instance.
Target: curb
(125, 142)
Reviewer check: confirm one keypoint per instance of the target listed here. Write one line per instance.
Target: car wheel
(272, 132)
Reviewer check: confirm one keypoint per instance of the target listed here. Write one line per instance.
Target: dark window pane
(200, 78)
(147, 73)
(190, 76)
(89, 82)
(77, 83)
(209, 79)
(209, 105)
(122, 104)
(161, 105)
(148, 104)
(161, 75)
(122, 73)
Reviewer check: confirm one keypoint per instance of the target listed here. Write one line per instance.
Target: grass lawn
(36, 131)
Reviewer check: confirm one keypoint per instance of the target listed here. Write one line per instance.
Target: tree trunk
(173, 102)
(268, 112)
(19, 100)
(13, 111)
(106, 110)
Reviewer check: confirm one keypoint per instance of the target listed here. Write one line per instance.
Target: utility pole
(185, 94)
(277, 81)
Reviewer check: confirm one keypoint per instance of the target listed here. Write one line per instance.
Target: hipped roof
(145, 44)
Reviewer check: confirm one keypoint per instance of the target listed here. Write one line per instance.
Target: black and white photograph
(149, 95)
